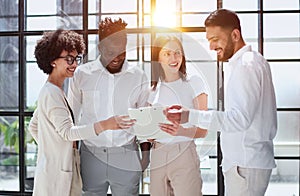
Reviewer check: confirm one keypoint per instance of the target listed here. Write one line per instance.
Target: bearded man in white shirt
(249, 123)
(106, 87)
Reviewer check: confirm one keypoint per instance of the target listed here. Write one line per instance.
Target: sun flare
(164, 19)
(165, 14)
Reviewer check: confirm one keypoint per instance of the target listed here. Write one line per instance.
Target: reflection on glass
(147, 46)
(284, 179)
(35, 79)
(282, 29)
(286, 81)
(282, 48)
(9, 151)
(245, 5)
(132, 47)
(193, 20)
(30, 46)
(118, 6)
(165, 13)
(279, 5)
(8, 15)
(249, 25)
(56, 14)
(198, 6)
(9, 73)
(93, 51)
(287, 140)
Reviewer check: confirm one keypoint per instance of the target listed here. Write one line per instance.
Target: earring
(53, 65)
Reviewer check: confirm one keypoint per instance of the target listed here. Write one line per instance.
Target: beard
(228, 51)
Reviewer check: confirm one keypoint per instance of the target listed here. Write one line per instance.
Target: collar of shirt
(239, 53)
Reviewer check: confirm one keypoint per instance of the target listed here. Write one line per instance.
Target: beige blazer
(52, 128)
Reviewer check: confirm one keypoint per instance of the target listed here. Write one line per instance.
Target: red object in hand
(173, 113)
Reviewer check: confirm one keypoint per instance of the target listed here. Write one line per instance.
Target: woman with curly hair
(58, 53)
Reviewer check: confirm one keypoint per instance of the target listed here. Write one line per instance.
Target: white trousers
(175, 170)
(246, 181)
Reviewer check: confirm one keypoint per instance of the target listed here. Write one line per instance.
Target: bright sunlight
(165, 13)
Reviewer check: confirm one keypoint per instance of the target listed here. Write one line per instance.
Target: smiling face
(170, 58)
(61, 66)
(221, 41)
(113, 51)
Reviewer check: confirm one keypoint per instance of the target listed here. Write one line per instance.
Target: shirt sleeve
(210, 120)
(33, 125)
(198, 85)
(243, 97)
(60, 117)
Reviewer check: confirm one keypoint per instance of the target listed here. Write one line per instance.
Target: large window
(271, 27)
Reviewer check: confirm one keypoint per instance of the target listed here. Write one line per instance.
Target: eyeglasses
(70, 59)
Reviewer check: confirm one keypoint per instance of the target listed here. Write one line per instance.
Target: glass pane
(147, 44)
(198, 6)
(196, 47)
(9, 15)
(147, 6)
(9, 73)
(273, 48)
(93, 21)
(165, 13)
(287, 140)
(93, 6)
(130, 19)
(30, 157)
(193, 20)
(279, 5)
(286, 81)
(284, 178)
(37, 7)
(147, 69)
(118, 6)
(51, 15)
(92, 48)
(35, 79)
(70, 14)
(245, 5)
(281, 31)
(30, 42)
(132, 47)
(9, 153)
(249, 25)
(208, 167)
(109, 7)
(147, 21)
(280, 24)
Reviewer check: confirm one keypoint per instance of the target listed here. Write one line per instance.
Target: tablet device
(147, 122)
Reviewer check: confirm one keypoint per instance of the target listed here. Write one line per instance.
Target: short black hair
(108, 27)
(223, 18)
(51, 45)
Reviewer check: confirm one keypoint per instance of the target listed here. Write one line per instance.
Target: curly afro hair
(51, 45)
(108, 27)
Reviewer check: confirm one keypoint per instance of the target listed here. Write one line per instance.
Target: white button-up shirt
(95, 94)
(249, 123)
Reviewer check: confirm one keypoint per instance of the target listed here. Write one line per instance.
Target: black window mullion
(21, 89)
